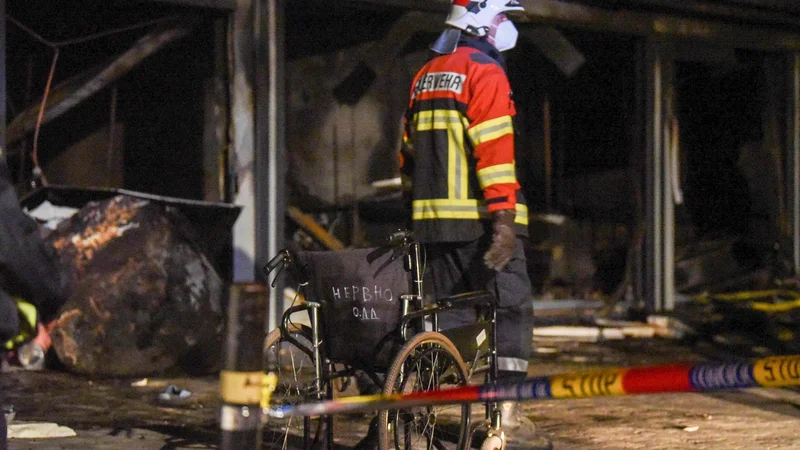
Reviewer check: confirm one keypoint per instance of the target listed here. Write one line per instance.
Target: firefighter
(458, 154)
(29, 269)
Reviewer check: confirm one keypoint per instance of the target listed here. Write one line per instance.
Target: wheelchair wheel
(296, 384)
(426, 362)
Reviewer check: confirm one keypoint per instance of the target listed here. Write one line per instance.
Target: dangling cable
(37, 170)
(38, 175)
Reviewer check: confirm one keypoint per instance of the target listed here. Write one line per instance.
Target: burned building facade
(659, 140)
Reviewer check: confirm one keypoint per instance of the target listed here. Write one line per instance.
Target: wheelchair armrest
(467, 300)
(460, 301)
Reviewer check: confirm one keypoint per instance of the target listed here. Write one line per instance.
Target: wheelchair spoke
(428, 362)
(296, 380)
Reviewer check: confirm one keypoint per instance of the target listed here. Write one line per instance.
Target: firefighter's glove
(504, 239)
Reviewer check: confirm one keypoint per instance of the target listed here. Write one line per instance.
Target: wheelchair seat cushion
(360, 298)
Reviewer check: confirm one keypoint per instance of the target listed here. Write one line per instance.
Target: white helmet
(476, 18)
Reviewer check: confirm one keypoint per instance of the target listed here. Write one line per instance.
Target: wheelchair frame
(413, 316)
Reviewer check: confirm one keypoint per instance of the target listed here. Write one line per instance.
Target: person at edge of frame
(29, 269)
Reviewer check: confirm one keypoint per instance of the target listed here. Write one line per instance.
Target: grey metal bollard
(242, 382)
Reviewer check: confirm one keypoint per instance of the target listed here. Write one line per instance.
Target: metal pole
(241, 381)
(270, 161)
(654, 175)
(273, 181)
(668, 250)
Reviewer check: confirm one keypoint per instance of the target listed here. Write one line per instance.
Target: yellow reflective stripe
(522, 214)
(490, 130)
(28, 326)
(460, 209)
(436, 120)
(28, 311)
(457, 168)
(501, 173)
(448, 209)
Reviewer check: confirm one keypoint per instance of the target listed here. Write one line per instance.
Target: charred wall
(145, 127)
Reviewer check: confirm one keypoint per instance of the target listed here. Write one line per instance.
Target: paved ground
(114, 414)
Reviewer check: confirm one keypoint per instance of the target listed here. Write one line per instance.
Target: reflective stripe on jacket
(459, 136)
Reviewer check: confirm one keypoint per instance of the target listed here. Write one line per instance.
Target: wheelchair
(363, 312)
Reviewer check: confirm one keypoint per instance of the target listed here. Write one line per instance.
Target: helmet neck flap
(478, 18)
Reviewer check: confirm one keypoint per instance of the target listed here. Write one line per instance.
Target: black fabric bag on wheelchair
(359, 290)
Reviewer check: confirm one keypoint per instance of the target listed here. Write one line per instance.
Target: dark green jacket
(29, 268)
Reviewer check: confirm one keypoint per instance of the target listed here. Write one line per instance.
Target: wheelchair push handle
(283, 259)
(401, 238)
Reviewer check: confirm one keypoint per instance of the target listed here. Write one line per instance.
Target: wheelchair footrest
(466, 300)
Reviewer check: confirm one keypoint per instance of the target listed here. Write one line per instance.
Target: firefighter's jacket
(29, 267)
(459, 146)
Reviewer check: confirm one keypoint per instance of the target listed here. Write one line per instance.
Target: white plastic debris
(39, 430)
(669, 327)
(388, 183)
(593, 334)
(51, 214)
(174, 394)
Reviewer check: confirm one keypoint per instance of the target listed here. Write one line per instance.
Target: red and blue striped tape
(774, 371)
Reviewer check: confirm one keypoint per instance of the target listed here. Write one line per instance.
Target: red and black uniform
(460, 136)
(459, 154)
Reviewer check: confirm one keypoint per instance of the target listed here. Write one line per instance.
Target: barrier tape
(775, 371)
(247, 388)
(773, 301)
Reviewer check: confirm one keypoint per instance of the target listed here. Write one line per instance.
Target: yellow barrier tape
(590, 384)
(786, 300)
(269, 381)
(777, 371)
(776, 307)
(241, 388)
(785, 335)
(746, 295)
(751, 295)
(362, 399)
